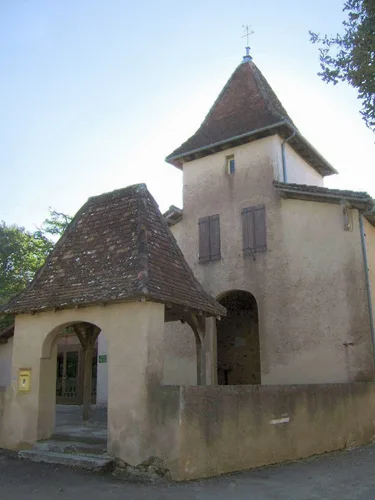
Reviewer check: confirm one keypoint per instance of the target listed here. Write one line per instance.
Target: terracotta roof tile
(305, 188)
(118, 247)
(247, 105)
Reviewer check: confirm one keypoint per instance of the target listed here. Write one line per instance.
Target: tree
(56, 224)
(21, 255)
(23, 252)
(350, 57)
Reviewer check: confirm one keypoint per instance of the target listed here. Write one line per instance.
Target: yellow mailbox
(24, 379)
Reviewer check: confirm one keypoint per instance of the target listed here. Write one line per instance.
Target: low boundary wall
(221, 429)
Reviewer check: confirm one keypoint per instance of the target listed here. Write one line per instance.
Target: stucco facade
(309, 285)
(102, 371)
(5, 362)
(29, 416)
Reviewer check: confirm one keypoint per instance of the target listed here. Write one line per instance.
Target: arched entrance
(69, 377)
(238, 351)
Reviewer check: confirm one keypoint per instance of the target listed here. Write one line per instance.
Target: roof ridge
(266, 89)
(141, 186)
(142, 245)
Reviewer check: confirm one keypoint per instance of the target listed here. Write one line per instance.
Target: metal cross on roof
(248, 33)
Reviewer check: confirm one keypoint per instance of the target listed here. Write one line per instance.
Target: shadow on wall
(238, 351)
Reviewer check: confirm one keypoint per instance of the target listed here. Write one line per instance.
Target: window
(254, 230)
(209, 238)
(231, 166)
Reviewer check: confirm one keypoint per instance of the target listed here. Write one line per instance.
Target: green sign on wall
(102, 358)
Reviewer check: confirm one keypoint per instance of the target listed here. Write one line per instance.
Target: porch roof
(117, 248)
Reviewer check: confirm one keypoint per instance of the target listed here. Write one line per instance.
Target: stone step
(71, 447)
(58, 436)
(95, 463)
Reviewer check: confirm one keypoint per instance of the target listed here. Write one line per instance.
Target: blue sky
(95, 93)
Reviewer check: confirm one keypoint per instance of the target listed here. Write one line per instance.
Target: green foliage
(23, 252)
(56, 223)
(21, 255)
(350, 57)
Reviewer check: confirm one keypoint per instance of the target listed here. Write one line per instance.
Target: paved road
(344, 475)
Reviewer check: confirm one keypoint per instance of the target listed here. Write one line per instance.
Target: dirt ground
(342, 475)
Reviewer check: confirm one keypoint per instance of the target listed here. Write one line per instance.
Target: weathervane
(248, 33)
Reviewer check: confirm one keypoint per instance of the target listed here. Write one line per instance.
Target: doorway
(69, 374)
(238, 350)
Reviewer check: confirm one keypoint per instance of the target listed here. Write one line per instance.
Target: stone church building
(272, 272)
(282, 253)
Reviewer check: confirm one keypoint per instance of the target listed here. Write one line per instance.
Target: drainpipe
(367, 280)
(285, 179)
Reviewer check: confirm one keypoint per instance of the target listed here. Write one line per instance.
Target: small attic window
(230, 163)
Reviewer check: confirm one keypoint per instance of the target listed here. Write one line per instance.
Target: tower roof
(117, 248)
(246, 109)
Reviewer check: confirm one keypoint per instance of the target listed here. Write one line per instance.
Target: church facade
(284, 256)
(215, 334)
(282, 253)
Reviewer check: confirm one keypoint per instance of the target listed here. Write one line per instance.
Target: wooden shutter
(260, 229)
(204, 239)
(254, 229)
(248, 230)
(215, 253)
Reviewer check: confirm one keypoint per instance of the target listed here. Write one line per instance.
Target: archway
(69, 376)
(238, 351)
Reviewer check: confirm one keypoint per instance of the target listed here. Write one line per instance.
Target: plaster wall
(309, 284)
(102, 372)
(370, 248)
(231, 428)
(2, 403)
(134, 333)
(298, 171)
(6, 362)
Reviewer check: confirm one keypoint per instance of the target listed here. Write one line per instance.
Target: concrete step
(75, 447)
(58, 436)
(95, 463)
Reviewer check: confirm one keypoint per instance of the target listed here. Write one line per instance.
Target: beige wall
(134, 333)
(232, 428)
(5, 362)
(370, 248)
(309, 285)
(102, 372)
(298, 171)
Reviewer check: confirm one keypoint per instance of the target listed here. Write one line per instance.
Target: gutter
(368, 286)
(169, 159)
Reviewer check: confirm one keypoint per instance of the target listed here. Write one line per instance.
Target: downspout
(285, 141)
(367, 281)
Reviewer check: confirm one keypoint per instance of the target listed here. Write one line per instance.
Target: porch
(71, 427)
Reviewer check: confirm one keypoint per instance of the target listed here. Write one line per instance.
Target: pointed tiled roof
(117, 248)
(247, 106)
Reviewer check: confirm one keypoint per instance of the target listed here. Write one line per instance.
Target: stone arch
(238, 347)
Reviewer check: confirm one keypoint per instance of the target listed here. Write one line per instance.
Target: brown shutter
(204, 239)
(215, 237)
(260, 229)
(248, 229)
(254, 229)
